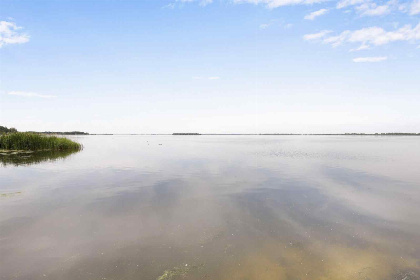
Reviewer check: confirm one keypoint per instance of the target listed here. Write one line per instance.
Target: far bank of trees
(4, 129)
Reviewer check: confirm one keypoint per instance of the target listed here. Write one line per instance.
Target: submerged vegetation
(36, 142)
(174, 272)
(178, 272)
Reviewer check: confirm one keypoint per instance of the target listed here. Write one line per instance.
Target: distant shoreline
(264, 134)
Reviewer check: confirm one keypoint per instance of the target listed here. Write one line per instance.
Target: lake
(214, 207)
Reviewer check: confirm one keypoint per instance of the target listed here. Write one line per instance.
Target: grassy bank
(35, 142)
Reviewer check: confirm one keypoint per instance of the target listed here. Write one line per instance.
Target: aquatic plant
(177, 272)
(12, 194)
(171, 273)
(36, 142)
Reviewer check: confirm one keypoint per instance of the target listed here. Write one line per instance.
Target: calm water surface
(215, 207)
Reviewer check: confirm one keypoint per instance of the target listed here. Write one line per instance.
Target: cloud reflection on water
(219, 205)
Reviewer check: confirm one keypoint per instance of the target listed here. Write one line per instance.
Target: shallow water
(215, 207)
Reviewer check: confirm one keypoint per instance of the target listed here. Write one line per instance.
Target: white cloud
(338, 39)
(268, 3)
(315, 14)
(345, 3)
(9, 34)
(201, 2)
(362, 47)
(29, 94)
(275, 22)
(205, 2)
(206, 78)
(369, 8)
(315, 36)
(169, 6)
(362, 7)
(278, 3)
(373, 36)
(372, 9)
(415, 7)
(268, 24)
(370, 59)
(264, 25)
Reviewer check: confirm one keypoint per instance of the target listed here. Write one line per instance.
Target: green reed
(36, 142)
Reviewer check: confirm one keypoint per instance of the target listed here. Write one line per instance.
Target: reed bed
(36, 142)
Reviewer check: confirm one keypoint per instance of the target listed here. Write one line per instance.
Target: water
(215, 207)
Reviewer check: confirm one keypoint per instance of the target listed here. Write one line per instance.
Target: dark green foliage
(65, 133)
(4, 129)
(35, 142)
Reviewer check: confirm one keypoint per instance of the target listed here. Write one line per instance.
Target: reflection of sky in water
(231, 207)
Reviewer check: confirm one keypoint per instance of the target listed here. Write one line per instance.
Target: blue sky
(250, 66)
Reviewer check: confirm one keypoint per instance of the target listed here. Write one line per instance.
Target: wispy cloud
(315, 14)
(268, 3)
(415, 7)
(316, 36)
(206, 78)
(370, 36)
(373, 9)
(205, 2)
(201, 2)
(30, 94)
(370, 59)
(275, 22)
(169, 6)
(360, 48)
(9, 34)
(264, 25)
(345, 3)
(279, 3)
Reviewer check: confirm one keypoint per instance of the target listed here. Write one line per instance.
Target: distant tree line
(65, 132)
(185, 133)
(4, 129)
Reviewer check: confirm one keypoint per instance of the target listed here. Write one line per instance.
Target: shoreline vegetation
(270, 134)
(187, 133)
(4, 129)
(28, 141)
(61, 133)
(374, 134)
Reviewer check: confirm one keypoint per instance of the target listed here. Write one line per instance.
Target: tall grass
(35, 142)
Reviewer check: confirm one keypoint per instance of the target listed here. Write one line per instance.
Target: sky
(221, 66)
